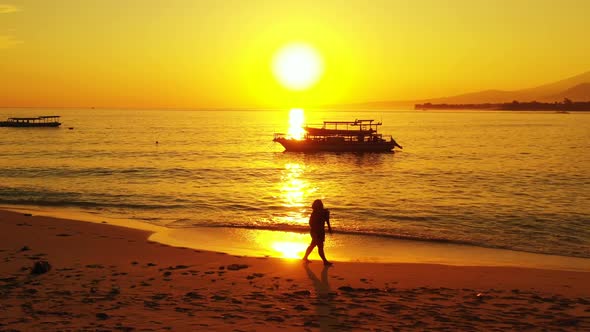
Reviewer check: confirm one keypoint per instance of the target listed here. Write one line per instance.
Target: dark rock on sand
(41, 267)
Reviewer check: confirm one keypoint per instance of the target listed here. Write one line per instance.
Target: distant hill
(576, 88)
(579, 92)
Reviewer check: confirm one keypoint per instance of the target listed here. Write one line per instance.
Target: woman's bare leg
(322, 254)
(309, 250)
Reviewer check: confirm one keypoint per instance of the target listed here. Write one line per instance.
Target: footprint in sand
(236, 267)
(95, 266)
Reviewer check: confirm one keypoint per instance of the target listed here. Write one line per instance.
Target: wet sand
(105, 277)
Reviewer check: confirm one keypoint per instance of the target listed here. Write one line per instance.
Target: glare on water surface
(289, 249)
(283, 244)
(296, 120)
(295, 193)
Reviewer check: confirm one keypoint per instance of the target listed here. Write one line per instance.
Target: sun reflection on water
(292, 186)
(283, 244)
(289, 249)
(295, 191)
(296, 121)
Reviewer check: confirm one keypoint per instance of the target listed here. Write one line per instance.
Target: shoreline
(109, 277)
(339, 247)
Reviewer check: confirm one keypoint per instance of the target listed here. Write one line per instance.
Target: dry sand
(111, 278)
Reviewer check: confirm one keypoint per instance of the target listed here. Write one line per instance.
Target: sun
(297, 66)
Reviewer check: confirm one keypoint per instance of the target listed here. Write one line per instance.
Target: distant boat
(40, 121)
(340, 136)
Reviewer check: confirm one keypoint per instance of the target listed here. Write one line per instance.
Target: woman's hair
(317, 205)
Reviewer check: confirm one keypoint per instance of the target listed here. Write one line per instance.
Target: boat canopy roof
(45, 117)
(326, 132)
(355, 122)
(362, 127)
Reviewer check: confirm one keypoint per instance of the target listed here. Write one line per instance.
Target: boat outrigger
(40, 121)
(340, 136)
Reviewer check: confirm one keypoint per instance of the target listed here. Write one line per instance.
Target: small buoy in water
(157, 142)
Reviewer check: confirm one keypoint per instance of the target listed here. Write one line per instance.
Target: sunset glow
(199, 54)
(333, 165)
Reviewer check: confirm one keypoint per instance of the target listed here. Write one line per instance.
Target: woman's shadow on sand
(324, 306)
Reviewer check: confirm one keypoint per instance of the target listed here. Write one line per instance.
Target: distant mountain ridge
(580, 92)
(576, 88)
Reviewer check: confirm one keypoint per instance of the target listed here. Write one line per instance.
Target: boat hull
(292, 145)
(27, 125)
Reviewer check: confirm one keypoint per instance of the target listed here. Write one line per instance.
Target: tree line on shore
(565, 105)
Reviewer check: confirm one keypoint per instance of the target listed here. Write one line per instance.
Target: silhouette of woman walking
(318, 217)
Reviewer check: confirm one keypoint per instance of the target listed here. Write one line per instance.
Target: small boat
(40, 121)
(340, 136)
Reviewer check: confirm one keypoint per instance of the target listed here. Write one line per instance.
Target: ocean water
(513, 180)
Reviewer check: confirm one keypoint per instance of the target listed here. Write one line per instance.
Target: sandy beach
(106, 277)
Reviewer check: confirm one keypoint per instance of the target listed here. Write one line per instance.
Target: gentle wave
(176, 210)
(62, 172)
(40, 197)
(129, 173)
(86, 204)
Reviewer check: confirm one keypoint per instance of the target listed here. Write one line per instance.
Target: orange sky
(201, 54)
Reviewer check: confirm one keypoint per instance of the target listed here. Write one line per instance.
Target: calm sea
(494, 179)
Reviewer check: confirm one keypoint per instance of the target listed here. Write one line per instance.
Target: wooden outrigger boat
(40, 121)
(340, 136)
